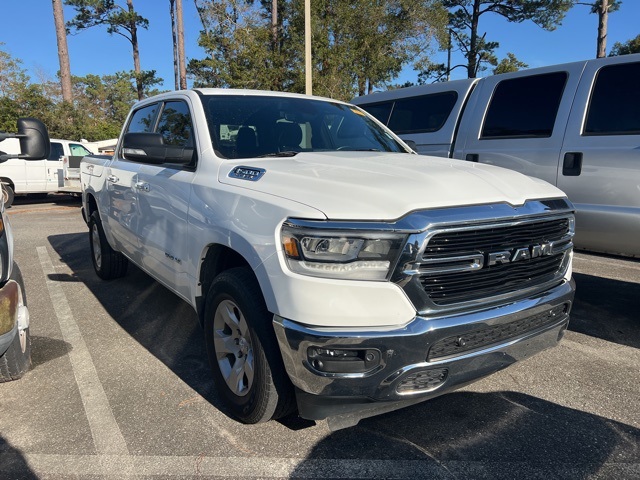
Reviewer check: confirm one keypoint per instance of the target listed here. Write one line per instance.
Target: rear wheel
(107, 263)
(15, 362)
(243, 350)
(7, 195)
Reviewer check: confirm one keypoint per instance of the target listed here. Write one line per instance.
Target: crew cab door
(163, 193)
(518, 120)
(600, 159)
(121, 177)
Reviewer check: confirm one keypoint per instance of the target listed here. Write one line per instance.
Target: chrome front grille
(458, 242)
(459, 264)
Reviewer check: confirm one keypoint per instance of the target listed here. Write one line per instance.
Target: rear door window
(614, 106)
(525, 107)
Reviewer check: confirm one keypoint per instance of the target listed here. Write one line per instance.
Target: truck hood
(382, 186)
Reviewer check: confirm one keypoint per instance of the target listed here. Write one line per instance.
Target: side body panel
(606, 190)
(536, 156)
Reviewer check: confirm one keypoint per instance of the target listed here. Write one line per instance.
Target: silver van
(575, 125)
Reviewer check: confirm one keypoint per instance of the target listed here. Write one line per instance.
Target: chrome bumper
(425, 358)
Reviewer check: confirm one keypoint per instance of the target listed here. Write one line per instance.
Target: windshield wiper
(286, 153)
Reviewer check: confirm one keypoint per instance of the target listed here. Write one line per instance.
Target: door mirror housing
(150, 148)
(33, 137)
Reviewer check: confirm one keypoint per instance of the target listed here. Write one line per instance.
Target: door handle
(572, 164)
(472, 157)
(112, 179)
(144, 186)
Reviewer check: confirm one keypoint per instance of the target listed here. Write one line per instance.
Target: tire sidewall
(255, 314)
(8, 195)
(94, 222)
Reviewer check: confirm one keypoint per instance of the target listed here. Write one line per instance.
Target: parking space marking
(107, 437)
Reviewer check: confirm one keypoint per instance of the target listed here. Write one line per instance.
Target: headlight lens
(349, 255)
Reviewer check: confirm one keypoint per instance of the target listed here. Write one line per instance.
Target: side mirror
(150, 148)
(34, 140)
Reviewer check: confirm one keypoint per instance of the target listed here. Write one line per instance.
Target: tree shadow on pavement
(156, 318)
(13, 465)
(483, 435)
(459, 435)
(607, 309)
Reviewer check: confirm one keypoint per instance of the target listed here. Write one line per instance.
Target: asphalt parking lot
(120, 387)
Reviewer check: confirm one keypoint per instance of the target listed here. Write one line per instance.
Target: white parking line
(107, 437)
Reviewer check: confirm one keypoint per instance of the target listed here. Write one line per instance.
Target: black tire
(16, 361)
(235, 300)
(107, 263)
(7, 195)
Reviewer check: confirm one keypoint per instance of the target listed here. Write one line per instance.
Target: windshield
(249, 126)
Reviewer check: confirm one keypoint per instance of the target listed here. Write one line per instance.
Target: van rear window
(426, 113)
(379, 110)
(422, 114)
(614, 108)
(525, 107)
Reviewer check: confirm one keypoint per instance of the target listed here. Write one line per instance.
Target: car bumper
(421, 360)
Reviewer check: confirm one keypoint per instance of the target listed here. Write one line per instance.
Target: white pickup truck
(332, 268)
(58, 172)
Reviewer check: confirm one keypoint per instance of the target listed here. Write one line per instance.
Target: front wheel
(107, 263)
(243, 350)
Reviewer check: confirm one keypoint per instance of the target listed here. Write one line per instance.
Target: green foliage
(120, 20)
(355, 44)
(13, 77)
(626, 48)
(509, 64)
(614, 5)
(117, 19)
(99, 109)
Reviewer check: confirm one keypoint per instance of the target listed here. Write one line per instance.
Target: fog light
(343, 360)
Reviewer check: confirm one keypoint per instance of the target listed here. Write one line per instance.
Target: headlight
(348, 255)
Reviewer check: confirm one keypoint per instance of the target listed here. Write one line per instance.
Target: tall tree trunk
(63, 52)
(274, 24)
(176, 73)
(472, 66)
(603, 14)
(136, 52)
(181, 55)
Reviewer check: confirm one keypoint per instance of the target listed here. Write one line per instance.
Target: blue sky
(28, 34)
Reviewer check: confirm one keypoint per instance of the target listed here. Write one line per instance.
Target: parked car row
(335, 272)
